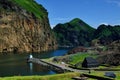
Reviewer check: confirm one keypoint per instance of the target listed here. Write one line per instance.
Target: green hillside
(74, 33)
(107, 33)
(80, 25)
(31, 6)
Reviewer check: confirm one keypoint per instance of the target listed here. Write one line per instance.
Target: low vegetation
(97, 71)
(32, 6)
(72, 59)
(101, 73)
(79, 57)
(65, 76)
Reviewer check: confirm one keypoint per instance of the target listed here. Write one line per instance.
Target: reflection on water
(15, 64)
(31, 68)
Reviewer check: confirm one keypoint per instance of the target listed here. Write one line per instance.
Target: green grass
(79, 57)
(116, 67)
(65, 76)
(101, 73)
(80, 25)
(32, 7)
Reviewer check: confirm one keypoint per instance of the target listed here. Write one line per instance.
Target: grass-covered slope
(66, 76)
(78, 33)
(107, 33)
(74, 33)
(80, 25)
(31, 6)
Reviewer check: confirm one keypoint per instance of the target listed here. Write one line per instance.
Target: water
(15, 64)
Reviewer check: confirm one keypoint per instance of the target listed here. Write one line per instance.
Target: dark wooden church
(90, 62)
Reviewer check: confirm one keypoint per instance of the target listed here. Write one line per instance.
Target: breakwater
(53, 66)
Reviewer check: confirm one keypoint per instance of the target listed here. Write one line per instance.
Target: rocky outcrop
(112, 55)
(77, 49)
(110, 59)
(21, 30)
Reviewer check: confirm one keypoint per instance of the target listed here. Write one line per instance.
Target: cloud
(117, 2)
(52, 26)
(104, 23)
(117, 22)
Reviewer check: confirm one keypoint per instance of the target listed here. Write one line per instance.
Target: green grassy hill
(74, 33)
(78, 24)
(78, 33)
(65, 76)
(31, 6)
(107, 33)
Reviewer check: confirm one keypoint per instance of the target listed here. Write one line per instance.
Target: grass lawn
(65, 76)
(79, 57)
(101, 73)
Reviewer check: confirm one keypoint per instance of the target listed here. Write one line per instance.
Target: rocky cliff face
(21, 30)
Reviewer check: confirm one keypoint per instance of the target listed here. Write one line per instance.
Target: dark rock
(112, 55)
(110, 74)
(77, 49)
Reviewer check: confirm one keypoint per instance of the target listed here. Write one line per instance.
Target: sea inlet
(16, 64)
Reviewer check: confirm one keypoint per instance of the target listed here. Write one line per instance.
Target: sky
(93, 12)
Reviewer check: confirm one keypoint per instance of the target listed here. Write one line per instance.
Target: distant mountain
(107, 33)
(74, 33)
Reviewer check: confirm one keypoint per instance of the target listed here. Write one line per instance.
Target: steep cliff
(24, 27)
